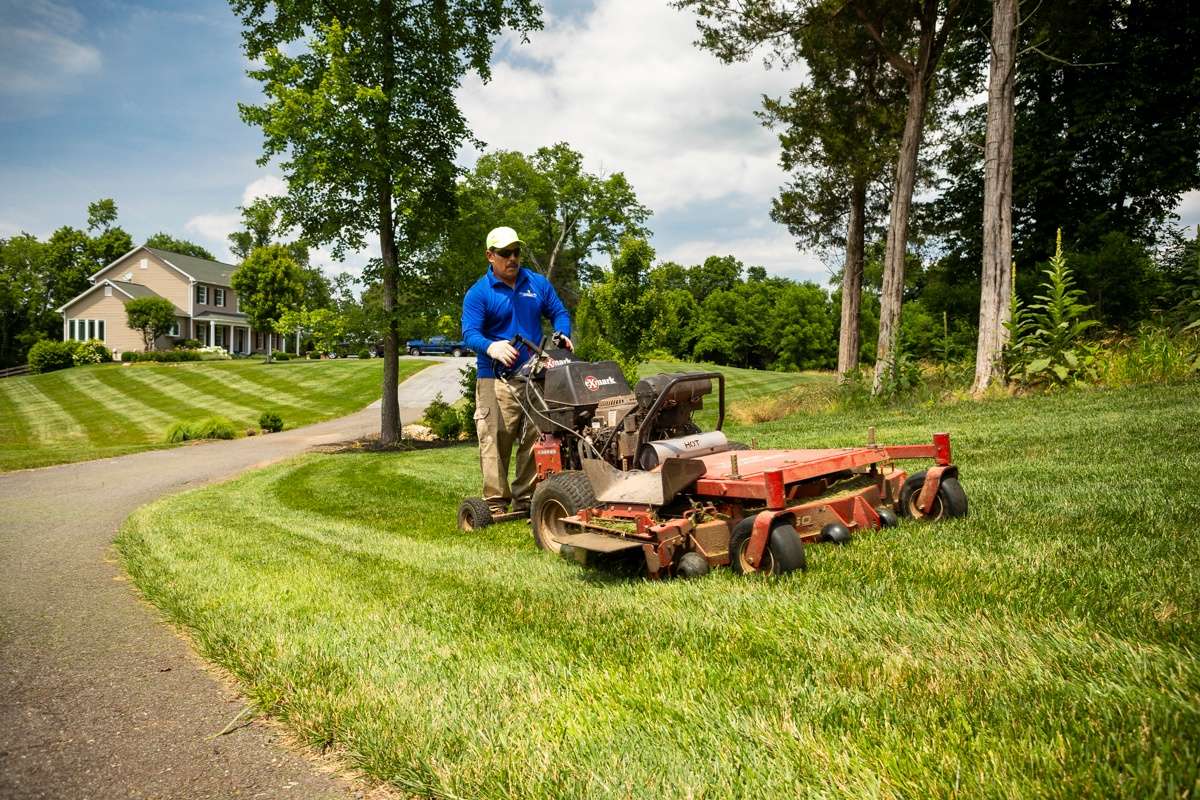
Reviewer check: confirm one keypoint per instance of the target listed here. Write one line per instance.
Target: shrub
(443, 419)
(270, 422)
(467, 380)
(279, 355)
(164, 356)
(364, 353)
(213, 353)
(92, 351)
(207, 428)
(49, 355)
(1154, 355)
(313, 355)
(187, 344)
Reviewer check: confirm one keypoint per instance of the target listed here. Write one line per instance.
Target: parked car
(437, 345)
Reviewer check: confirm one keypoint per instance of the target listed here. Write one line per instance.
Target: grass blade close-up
(111, 409)
(1043, 646)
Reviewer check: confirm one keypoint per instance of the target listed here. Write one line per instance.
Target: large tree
(151, 316)
(365, 117)
(268, 284)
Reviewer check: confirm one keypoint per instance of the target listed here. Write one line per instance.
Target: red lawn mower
(622, 470)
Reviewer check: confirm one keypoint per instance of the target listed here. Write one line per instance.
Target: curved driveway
(99, 698)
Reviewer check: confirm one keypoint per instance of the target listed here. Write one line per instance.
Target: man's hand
(503, 352)
(566, 342)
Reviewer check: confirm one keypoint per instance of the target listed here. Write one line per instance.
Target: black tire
(784, 552)
(473, 514)
(887, 517)
(836, 532)
(691, 565)
(457, 353)
(950, 501)
(563, 494)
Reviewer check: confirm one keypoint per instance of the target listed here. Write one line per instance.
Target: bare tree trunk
(852, 275)
(996, 276)
(897, 239)
(389, 425)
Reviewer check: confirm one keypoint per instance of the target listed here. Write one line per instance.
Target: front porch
(235, 335)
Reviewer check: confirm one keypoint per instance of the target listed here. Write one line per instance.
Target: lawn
(1044, 646)
(111, 409)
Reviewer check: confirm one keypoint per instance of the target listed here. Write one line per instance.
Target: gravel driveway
(100, 699)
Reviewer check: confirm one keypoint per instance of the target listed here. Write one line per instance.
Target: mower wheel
(887, 517)
(563, 494)
(473, 514)
(835, 532)
(691, 565)
(950, 500)
(784, 551)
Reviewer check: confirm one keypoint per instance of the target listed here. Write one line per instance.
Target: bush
(187, 344)
(443, 419)
(1154, 355)
(49, 355)
(213, 353)
(207, 428)
(313, 355)
(92, 351)
(279, 355)
(270, 422)
(467, 380)
(163, 356)
(364, 353)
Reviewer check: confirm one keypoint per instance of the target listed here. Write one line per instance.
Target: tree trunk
(852, 275)
(996, 276)
(389, 424)
(897, 239)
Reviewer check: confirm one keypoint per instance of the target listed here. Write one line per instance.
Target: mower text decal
(593, 383)
(557, 362)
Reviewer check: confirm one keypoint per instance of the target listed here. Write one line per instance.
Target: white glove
(566, 342)
(503, 352)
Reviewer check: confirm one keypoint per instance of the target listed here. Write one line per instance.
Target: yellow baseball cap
(502, 237)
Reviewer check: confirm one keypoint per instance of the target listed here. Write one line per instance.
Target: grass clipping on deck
(1044, 646)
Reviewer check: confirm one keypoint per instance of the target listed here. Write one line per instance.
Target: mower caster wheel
(473, 514)
(691, 565)
(784, 551)
(950, 500)
(887, 517)
(835, 532)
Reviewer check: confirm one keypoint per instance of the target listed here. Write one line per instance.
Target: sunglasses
(507, 252)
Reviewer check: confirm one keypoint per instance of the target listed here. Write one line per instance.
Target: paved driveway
(98, 698)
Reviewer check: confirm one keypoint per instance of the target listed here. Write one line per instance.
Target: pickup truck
(437, 345)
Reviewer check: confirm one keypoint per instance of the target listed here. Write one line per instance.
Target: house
(206, 304)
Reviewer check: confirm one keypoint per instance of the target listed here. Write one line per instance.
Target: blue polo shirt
(493, 311)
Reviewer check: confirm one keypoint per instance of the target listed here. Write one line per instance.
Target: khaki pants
(499, 423)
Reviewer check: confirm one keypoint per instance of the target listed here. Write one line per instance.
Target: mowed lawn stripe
(244, 386)
(305, 378)
(132, 407)
(206, 381)
(45, 418)
(13, 425)
(177, 382)
(104, 426)
(128, 382)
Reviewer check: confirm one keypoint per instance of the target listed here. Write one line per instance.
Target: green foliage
(1046, 347)
(188, 344)
(163, 356)
(467, 380)
(268, 284)
(1154, 355)
(93, 351)
(207, 428)
(49, 355)
(443, 419)
(165, 241)
(280, 355)
(615, 319)
(270, 422)
(150, 316)
(324, 326)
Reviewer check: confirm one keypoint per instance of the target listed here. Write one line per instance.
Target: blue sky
(138, 101)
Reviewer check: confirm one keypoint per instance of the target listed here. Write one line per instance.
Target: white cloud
(1188, 209)
(40, 48)
(627, 88)
(266, 186)
(214, 228)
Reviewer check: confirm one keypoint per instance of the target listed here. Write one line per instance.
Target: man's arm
(474, 307)
(555, 311)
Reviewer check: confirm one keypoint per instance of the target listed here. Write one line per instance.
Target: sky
(138, 101)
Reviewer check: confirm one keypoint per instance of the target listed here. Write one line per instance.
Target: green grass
(1046, 645)
(110, 409)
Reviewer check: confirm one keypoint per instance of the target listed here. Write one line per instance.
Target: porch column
(212, 333)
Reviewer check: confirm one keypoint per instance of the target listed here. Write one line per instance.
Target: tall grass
(1045, 646)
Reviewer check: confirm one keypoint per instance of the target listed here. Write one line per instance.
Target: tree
(152, 316)
(102, 214)
(165, 241)
(366, 119)
(619, 309)
(325, 326)
(996, 276)
(564, 214)
(268, 284)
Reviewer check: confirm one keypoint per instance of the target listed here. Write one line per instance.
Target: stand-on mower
(621, 470)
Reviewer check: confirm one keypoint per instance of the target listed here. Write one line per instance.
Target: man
(506, 301)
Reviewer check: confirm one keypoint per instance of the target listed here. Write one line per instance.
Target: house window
(142, 264)
(108, 291)
(237, 304)
(70, 329)
(91, 328)
(174, 329)
(219, 297)
(220, 330)
(202, 294)
(100, 330)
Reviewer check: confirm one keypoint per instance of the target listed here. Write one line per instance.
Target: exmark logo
(593, 383)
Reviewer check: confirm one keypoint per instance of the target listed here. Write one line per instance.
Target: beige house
(206, 305)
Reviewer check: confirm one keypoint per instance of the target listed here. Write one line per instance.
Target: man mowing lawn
(507, 301)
